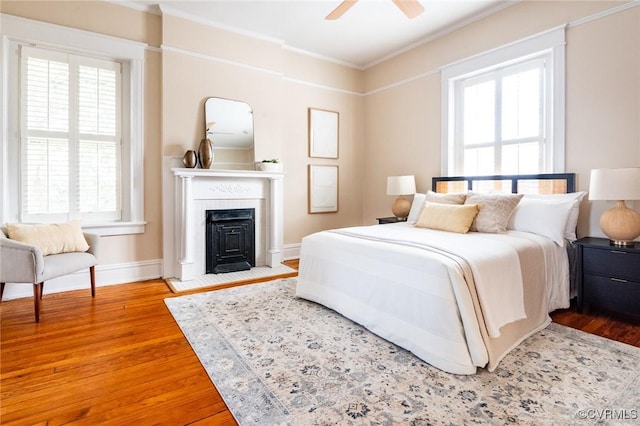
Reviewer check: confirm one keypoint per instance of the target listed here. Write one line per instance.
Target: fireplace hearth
(230, 240)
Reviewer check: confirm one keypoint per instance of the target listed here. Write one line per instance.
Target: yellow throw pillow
(50, 238)
(447, 217)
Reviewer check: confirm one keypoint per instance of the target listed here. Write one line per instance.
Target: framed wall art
(323, 133)
(323, 189)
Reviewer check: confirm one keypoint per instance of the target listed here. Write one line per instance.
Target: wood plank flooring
(121, 359)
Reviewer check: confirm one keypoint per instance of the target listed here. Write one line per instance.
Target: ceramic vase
(190, 159)
(205, 153)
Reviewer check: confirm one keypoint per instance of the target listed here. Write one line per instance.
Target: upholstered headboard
(547, 183)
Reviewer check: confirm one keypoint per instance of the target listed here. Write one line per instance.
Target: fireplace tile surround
(197, 190)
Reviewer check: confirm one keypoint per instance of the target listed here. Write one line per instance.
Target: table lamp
(401, 186)
(620, 223)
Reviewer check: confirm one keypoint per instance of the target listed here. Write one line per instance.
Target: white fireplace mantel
(194, 187)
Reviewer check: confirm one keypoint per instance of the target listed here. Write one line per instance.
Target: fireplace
(191, 192)
(230, 240)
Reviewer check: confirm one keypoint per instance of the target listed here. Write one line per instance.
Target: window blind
(71, 135)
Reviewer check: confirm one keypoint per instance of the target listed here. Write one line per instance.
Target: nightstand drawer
(612, 293)
(611, 263)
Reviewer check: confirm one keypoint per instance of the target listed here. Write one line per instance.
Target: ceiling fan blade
(340, 10)
(411, 8)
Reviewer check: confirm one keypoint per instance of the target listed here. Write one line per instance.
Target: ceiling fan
(411, 8)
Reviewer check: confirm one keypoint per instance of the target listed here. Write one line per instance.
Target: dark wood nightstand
(390, 219)
(608, 276)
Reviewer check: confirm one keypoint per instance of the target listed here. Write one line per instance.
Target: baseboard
(291, 251)
(112, 274)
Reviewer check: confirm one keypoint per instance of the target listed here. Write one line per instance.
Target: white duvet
(397, 282)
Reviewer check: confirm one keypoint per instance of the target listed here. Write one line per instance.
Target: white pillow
(572, 221)
(543, 216)
(446, 198)
(416, 207)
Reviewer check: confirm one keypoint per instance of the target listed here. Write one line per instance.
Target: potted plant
(272, 165)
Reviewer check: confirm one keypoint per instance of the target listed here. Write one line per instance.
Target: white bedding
(418, 298)
(494, 263)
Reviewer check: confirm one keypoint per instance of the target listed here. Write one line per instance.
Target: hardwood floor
(121, 359)
(609, 325)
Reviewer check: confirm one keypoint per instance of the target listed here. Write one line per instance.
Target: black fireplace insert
(230, 240)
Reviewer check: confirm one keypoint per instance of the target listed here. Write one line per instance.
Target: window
(72, 145)
(504, 110)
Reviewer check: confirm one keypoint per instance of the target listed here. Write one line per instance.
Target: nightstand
(390, 219)
(608, 276)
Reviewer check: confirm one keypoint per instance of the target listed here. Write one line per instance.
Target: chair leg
(1, 290)
(92, 272)
(37, 294)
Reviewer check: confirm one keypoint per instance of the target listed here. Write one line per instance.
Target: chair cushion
(57, 265)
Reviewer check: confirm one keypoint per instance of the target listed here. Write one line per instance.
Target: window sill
(115, 228)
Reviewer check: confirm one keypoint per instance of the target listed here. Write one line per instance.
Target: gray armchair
(24, 263)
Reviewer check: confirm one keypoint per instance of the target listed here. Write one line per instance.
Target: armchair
(24, 263)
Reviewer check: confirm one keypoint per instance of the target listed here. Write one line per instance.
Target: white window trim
(16, 30)
(551, 42)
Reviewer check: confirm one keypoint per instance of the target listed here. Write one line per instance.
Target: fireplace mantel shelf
(226, 173)
(194, 186)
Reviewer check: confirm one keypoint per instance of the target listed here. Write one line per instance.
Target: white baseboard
(120, 273)
(291, 251)
(112, 274)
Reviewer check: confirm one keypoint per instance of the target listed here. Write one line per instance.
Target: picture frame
(323, 189)
(324, 132)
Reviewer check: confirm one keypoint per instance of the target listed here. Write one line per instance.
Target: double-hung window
(503, 111)
(70, 138)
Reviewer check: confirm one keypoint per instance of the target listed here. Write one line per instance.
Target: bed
(458, 300)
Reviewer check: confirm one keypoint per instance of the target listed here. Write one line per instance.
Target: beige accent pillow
(452, 198)
(50, 238)
(447, 217)
(495, 211)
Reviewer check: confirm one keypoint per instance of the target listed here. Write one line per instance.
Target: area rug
(213, 280)
(277, 360)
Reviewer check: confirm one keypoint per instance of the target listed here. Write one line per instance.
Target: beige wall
(134, 25)
(200, 61)
(188, 62)
(389, 114)
(602, 96)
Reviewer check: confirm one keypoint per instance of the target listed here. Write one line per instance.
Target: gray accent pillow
(495, 211)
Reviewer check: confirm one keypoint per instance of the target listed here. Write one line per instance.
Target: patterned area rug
(280, 360)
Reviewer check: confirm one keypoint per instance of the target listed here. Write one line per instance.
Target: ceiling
(369, 32)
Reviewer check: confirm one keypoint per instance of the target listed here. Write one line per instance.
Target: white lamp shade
(615, 184)
(401, 185)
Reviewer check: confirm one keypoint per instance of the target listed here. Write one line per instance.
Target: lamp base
(617, 243)
(621, 224)
(401, 207)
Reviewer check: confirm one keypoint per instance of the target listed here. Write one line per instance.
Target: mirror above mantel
(229, 125)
